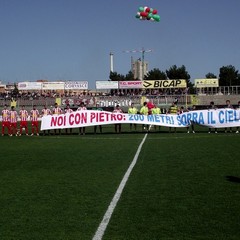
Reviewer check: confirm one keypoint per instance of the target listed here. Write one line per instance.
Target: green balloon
(141, 9)
(137, 16)
(150, 15)
(156, 17)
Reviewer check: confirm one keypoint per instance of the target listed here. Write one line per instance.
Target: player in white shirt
(57, 111)
(68, 110)
(45, 112)
(82, 107)
(118, 126)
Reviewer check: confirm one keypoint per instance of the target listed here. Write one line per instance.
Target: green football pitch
(183, 186)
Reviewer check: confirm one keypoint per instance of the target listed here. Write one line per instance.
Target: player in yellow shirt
(132, 110)
(156, 110)
(144, 111)
(173, 110)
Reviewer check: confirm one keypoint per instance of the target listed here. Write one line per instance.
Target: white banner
(79, 85)
(53, 86)
(214, 119)
(106, 85)
(206, 82)
(130, 84)
(29, 86)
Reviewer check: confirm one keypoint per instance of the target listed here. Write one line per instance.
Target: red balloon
(148, 9)
(154, 11)
(143, 14)
(150, 105)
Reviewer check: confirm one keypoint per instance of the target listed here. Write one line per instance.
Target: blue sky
(72, 39)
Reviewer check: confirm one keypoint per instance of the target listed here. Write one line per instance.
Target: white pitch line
(106, 218)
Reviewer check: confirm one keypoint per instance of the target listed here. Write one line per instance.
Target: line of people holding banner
(149, 108)
(10, 118)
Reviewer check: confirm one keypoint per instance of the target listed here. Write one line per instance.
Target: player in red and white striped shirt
(13, 121)
(68, 110)
(57, 111)
(34, 113)
(82, 108)
(45, 112)
(5, 120)
(23, 114)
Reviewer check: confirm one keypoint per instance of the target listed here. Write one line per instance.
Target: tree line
(228, 75)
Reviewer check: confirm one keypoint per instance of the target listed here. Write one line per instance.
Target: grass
(184, 186)
(181, 192)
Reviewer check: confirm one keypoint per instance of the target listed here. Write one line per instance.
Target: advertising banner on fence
(53, 86)
(29, 86)
(106, 85)
(206, 82)
(174, 83)
(76, 85)
(211, 118)
(130, 84)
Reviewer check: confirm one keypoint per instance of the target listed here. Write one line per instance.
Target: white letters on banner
(219, 118)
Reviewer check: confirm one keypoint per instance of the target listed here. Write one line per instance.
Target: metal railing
(222, 90)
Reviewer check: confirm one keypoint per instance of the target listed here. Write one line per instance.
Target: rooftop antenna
(143, 51)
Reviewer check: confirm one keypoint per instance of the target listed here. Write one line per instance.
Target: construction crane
(143, 51)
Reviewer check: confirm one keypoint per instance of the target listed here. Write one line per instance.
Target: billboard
(130, 84)
(29, 86)
(106, 85)
(174, 83)
(206, 82)
(53, 86)
(77, 85)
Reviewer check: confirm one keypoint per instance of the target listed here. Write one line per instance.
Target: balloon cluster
(146, 13)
